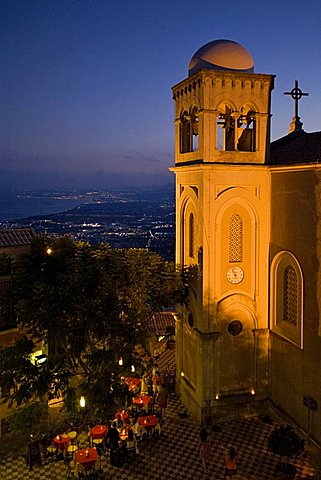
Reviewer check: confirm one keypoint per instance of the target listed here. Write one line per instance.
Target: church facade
(247, 230)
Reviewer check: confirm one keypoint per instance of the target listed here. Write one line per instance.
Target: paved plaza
(175, 456)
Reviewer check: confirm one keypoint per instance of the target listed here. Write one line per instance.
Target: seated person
(131, 443)
(118, 421)
(158, 430)
(138, 430)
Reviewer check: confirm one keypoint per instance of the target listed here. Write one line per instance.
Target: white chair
(96, 441)
(71, 450)
(73, 436)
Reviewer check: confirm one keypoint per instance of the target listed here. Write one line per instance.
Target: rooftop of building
(297, 147)
(160, 321)
(16, 237)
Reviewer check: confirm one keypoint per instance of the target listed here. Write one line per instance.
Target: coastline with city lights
(123, 218)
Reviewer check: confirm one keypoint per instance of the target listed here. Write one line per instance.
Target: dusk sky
(85, 85)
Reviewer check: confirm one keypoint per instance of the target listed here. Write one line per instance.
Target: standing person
(205, 447)
(154, 369)
(157, 381)
(162, 399)
(112, 439)
(144, 384)
(230, 462)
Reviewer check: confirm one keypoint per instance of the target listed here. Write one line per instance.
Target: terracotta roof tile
(160, 321)
(296, 148)
(16, 237)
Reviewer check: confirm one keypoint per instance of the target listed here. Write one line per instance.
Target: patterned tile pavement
(175, 454)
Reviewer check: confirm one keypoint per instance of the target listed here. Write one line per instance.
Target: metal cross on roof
(296, 93)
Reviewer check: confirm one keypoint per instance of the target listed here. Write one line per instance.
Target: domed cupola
(222, 55)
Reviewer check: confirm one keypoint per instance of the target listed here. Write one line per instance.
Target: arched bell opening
(225, 129)
(189, 130)
(246, 130)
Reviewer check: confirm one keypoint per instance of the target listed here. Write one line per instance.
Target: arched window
(290, 296)
(287, 298)
(235, 240)
(191, 231)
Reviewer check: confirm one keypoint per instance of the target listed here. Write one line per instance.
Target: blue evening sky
(85, 85)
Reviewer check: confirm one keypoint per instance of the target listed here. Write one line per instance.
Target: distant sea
(14, 206)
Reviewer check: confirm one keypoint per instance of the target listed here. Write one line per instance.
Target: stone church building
(248, 224)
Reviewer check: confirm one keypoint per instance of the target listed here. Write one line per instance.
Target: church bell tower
(222, 134)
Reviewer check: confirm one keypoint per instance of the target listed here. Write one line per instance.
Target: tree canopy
(91, 305)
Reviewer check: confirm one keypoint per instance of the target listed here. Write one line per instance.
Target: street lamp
(82, 402)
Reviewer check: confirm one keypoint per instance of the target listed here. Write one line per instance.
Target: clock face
(235, 275)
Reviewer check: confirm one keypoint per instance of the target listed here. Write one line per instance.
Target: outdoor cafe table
(148, 422)
(61, 441)
(86, 460)
(142, 400)
(98, 431)
(122, 415)
(132, 382)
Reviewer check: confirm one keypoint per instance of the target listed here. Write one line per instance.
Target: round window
(234, 328)
(190, 320)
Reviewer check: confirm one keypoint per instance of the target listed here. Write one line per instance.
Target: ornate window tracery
(235, 239)
(191, 231)
(290, 294)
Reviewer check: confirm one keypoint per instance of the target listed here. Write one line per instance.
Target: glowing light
(182, 374)
(82, 402)
(133, 368)
(217, 396)
(120, 361)
(49, 251)
(253, 391)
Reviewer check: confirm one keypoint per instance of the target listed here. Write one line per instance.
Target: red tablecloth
(149, 421)
(61, 441)
(98, 431)
(89, 461)
(132, 382)
(142, 400)
(122, 415)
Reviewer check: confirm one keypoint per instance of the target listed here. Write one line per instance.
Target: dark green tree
(284, 441)
(90, 305)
